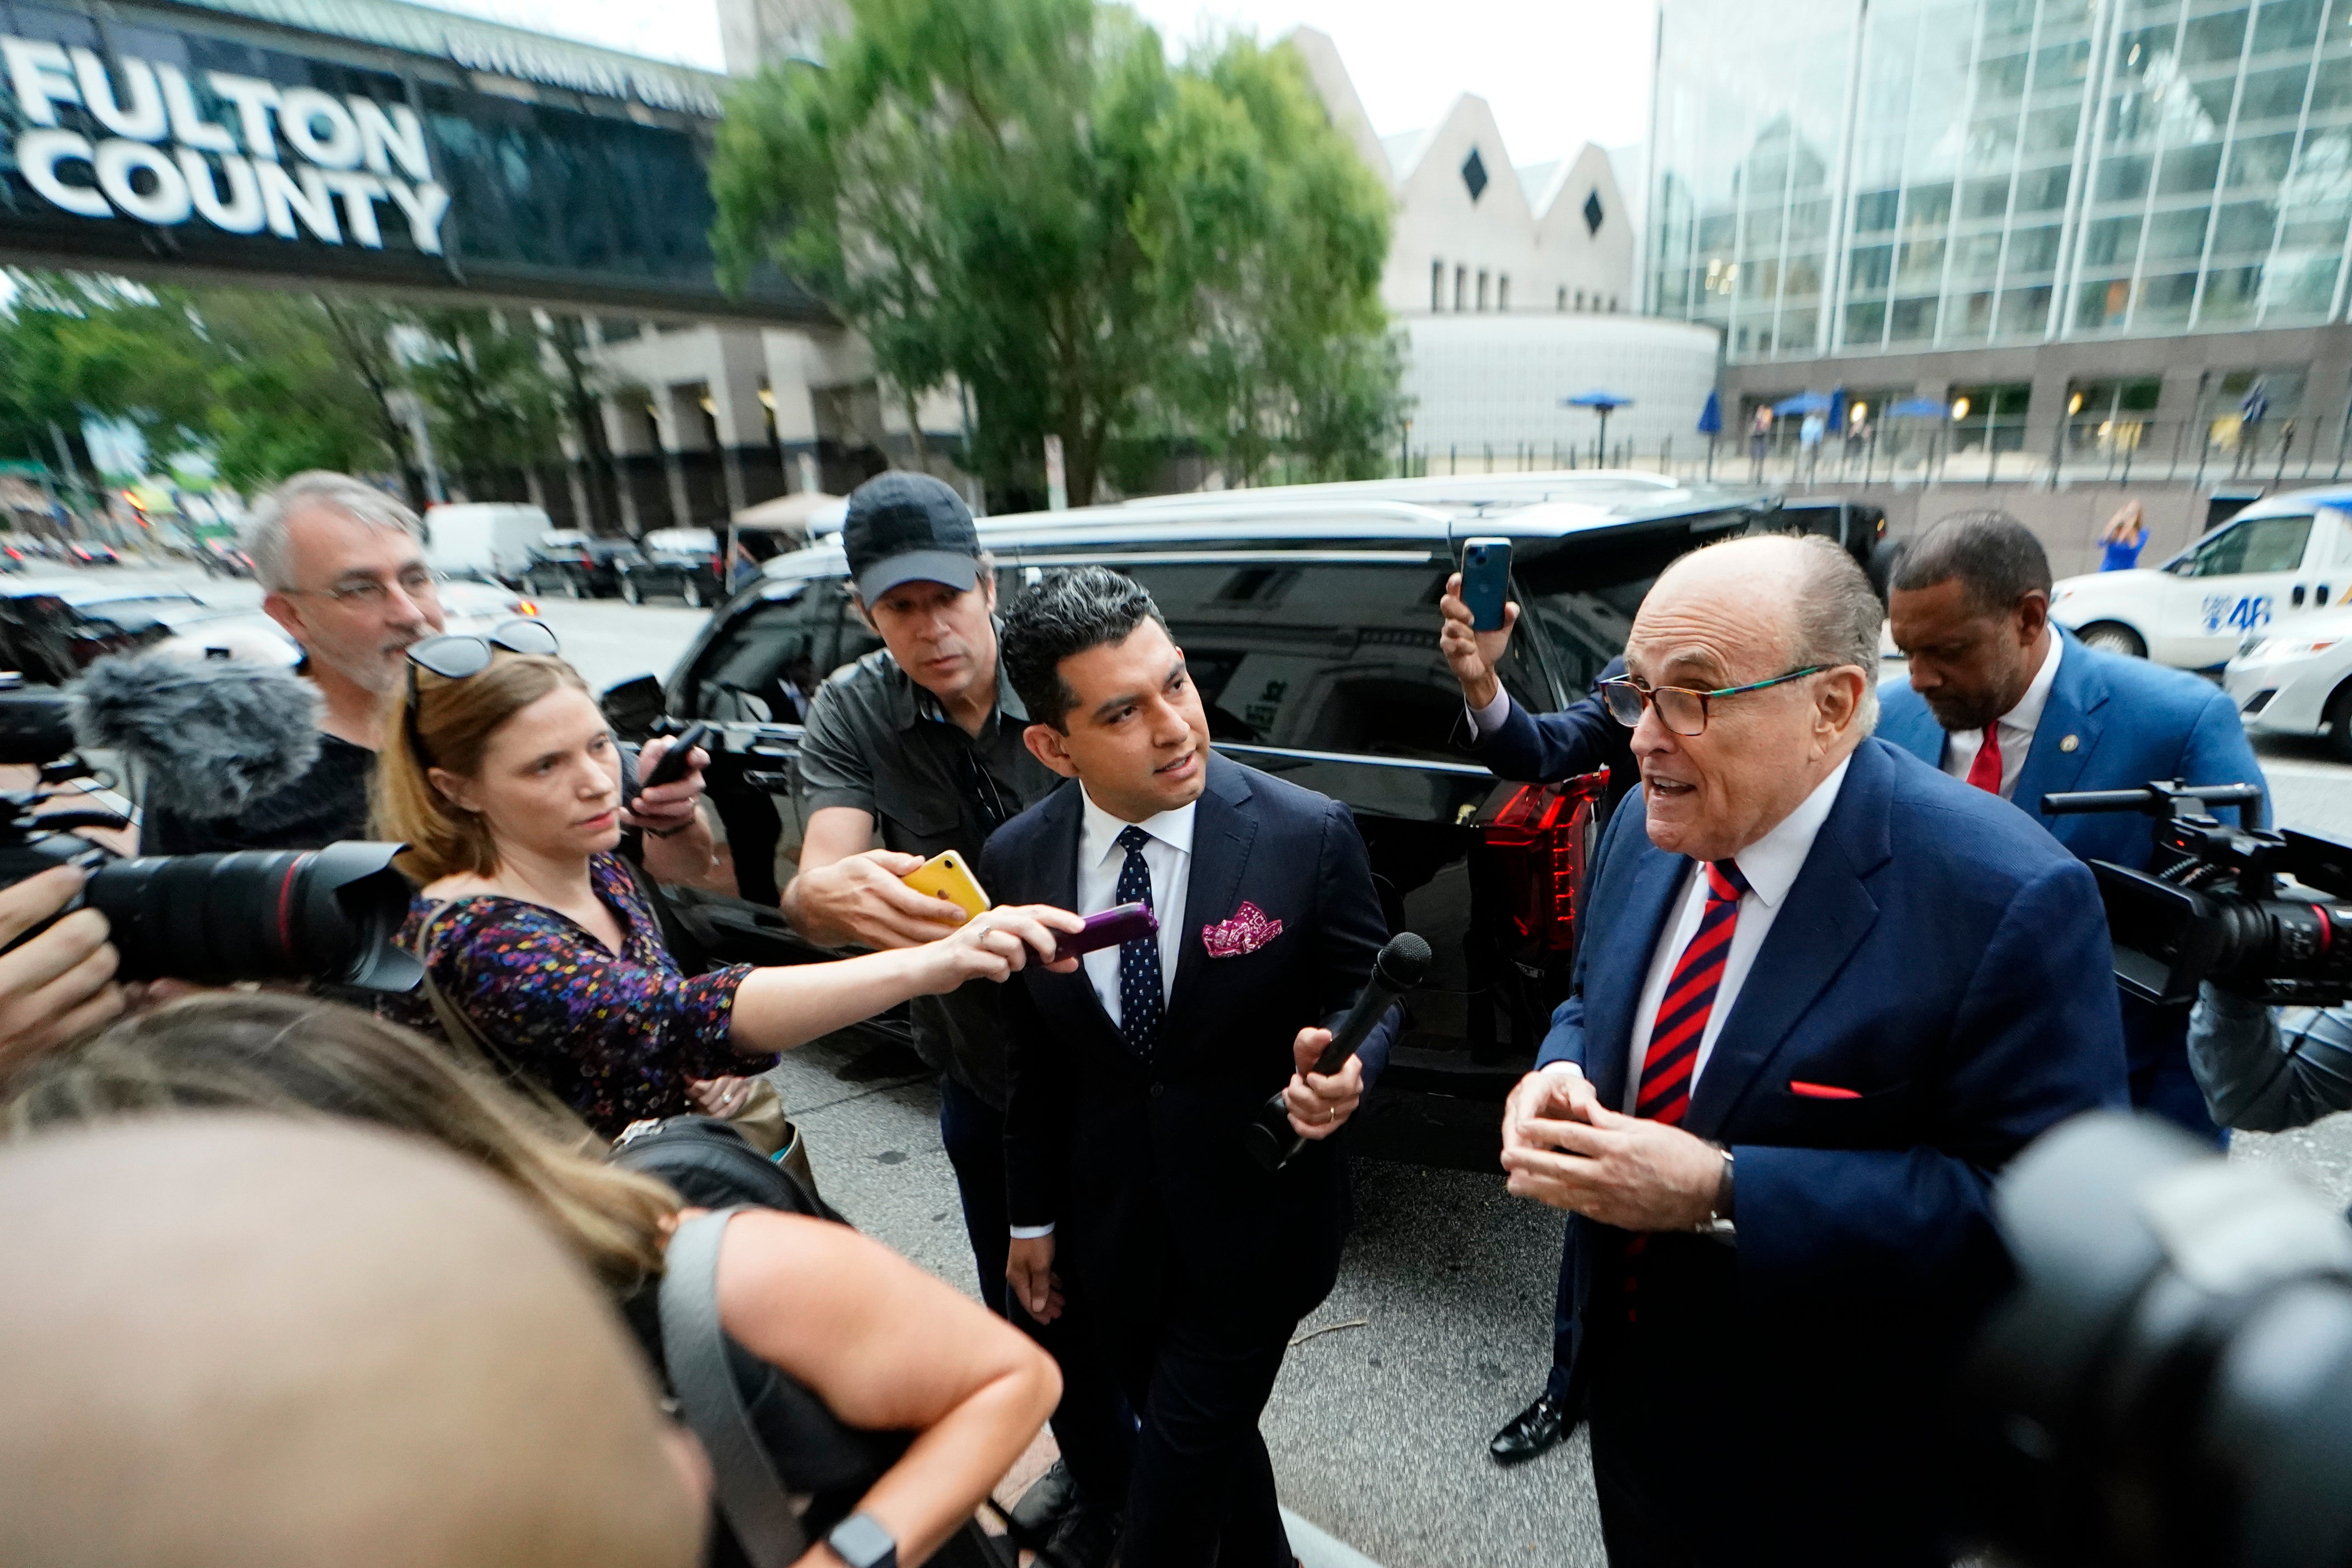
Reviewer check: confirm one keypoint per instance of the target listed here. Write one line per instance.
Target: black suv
(1309, 619)
(572, 565)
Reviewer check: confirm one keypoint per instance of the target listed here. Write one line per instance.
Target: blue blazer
(1544, 748)
(2133, 723)
(1945, 964)
(1127, 1158)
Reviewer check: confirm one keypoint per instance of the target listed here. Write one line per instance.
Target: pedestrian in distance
(919, 744)
(936, 1397)
(2122, 539)
(2002, 698)
(540, 950)
(1829, 992)
(1133, 1203)
(248, 1339)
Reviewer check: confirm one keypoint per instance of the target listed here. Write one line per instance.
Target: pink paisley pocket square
(1248, 930)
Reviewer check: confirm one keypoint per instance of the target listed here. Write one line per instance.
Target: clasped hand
(1561, 1146)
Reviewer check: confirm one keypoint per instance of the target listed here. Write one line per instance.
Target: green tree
(304, 381)
(1022, 196)
(494, 404)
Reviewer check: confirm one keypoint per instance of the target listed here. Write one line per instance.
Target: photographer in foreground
(57, 984)
(540, 950)
(2265, 1069)
(940, 1396)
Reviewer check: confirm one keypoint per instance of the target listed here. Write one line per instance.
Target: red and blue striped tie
(1667, 1067)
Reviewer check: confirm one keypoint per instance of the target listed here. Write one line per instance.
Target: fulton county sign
(158, 139)
(292, 161)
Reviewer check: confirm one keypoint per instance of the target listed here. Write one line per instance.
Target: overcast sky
(1558, 73)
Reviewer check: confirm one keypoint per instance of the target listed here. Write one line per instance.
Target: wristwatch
(862, 1542)
(1718, 1220)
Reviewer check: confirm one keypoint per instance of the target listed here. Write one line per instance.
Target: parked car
(51, 627)
(1310, 626)
(570, 564)
(2298, 681)
(681, 560)
(489, 541)
(89, 553)
(2281, 562)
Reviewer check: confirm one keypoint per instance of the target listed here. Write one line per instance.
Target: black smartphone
(672, 766)
(1486, 578)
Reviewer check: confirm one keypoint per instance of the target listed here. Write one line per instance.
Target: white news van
(490, 541)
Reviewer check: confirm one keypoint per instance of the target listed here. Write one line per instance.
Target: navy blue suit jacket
(1124, 1156)
(1544, 748)
(2132, 722)
(1947, 962)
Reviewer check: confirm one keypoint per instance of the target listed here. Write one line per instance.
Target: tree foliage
(1024, 197)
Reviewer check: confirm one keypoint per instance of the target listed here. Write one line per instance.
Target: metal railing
(2121, 448)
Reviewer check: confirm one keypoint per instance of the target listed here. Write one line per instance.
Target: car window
(2251, 545)
(1321, 655)
(2342, 555)
(767, 665)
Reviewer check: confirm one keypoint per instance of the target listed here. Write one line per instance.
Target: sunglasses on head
(453, 656)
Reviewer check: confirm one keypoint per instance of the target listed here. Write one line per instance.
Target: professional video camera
(2218, 912)
(2170, 1383)
(326, 914)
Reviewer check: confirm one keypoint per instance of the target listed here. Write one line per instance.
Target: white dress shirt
(1169, 856)
(2017, 727)
(1487, 719)
(1770, 866)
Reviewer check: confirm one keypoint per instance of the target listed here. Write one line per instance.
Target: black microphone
(209, 736)
(1401, 965)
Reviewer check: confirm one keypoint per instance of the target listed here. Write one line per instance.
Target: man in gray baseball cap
(919, 744)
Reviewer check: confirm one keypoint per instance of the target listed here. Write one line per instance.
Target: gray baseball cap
(908, 528)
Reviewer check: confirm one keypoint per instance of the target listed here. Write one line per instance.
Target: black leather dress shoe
(1531, 1431)
(1051, 1499)
(1086, 1538)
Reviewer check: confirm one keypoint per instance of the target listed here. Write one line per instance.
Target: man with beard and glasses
(342, 568)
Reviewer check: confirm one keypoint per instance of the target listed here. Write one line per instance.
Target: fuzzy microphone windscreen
(210, 737)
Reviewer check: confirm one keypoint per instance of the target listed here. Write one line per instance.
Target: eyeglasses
(373, 593)
(453, 656)
(1680, 709)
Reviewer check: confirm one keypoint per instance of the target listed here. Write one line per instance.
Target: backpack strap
(764, 1517)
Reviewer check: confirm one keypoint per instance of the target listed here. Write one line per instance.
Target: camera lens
(321, 914)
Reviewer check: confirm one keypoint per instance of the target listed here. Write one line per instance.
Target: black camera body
(2218, 911)
(328, 914)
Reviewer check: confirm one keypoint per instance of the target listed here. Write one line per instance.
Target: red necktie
(1985, 771)
(1667, 1064)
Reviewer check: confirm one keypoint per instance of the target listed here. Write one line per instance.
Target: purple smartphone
(1121, 922)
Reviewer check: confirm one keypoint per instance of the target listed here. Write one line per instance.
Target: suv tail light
(1537, 837)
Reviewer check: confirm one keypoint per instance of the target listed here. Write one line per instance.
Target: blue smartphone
(1485, 576)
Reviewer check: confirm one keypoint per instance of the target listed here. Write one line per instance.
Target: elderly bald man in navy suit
(1829, 993)
(2004, 698)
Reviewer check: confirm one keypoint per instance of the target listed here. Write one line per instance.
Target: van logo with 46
(2244, 613)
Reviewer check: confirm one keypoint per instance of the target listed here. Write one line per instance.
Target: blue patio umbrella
(1601, 403)
(1918, 408)
(1710, 418)
(1803, 403)
(1837, 408)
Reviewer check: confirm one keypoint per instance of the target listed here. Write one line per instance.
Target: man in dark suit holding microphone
(1829, 993)
(1135, 1080)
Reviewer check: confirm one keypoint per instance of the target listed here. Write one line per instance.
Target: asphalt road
(1441, 1322)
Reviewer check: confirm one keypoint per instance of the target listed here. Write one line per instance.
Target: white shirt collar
(1098, 830)
(2027, 714)
(1772, 862)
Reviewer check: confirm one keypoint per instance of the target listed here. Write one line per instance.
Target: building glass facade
(1898, 175)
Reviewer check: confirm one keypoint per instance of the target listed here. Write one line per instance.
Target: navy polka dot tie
(1138, 957)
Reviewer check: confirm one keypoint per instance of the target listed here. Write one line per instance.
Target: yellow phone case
(945, 876)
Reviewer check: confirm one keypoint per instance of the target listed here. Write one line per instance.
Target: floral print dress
(616, 1036)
